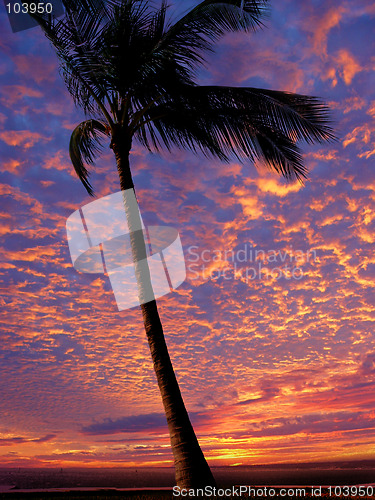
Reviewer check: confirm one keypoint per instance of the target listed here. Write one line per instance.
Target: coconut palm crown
(133, 72)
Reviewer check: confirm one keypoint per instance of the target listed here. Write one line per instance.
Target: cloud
(347, 66)
(36, 68)
(59, 161)
(314, 424)
(133, 423)
(367, 367)
(276, 187)
(12, 94)
(24, 138)
(11, 441)
(11, 166)
(285, 365)
(322, 25)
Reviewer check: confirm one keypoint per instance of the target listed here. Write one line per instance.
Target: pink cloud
(24, 138)
(36, 67)
(12, 94)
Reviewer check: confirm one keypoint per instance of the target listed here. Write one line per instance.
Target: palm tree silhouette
(132, 72)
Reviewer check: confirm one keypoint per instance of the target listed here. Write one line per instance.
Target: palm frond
(130, 52)
(76, 38)
(195, 32)
(249, 123)
(224, 16)
(124, 63)
(84, 147)
(280, 154)
(297, 116)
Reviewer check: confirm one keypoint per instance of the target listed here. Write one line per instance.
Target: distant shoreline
(344, 464)
(130, 479)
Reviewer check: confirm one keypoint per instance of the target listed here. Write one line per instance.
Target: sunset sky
(272, 369)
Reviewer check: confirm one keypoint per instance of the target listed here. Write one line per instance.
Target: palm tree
(132, 72)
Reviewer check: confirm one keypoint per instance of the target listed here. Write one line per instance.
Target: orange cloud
(348, 66)
(371, 110)
(60, 161)
(323, 25)
(273, 185)
(12, 94)
(345, 66)
(12, 166)
(360, 134)
(323, 155)
(47, 184)
(367, 154)
(251, 205)
(23, 138)
(353, 103)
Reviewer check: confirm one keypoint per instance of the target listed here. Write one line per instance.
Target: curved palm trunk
(191, 468)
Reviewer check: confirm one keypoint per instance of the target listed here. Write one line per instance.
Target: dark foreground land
(153, 495)
(157, 483)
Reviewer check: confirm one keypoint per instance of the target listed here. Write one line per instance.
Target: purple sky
(271, 369)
